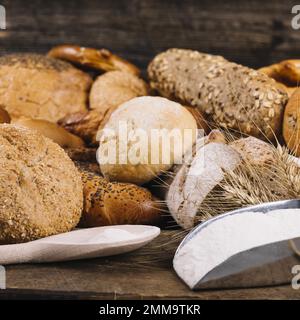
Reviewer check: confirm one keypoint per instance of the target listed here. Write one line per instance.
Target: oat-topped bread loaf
(233, 96)
(41, 192)
(40, 87)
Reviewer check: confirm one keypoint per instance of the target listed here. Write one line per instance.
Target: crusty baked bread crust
(233, 96)
(40, 187)
(52, 131)
(111, 203)
(113, 88)
(40, 87)
(84, 124)
(146, 113)
(291, 123)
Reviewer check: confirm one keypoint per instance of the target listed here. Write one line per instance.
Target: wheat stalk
(246, 185)
(251, 184)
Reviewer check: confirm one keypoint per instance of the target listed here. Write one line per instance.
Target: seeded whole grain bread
(41, 87)
(111, 203)
(40, 188)
(233, 96)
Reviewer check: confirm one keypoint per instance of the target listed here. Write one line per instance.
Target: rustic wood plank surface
(254, 33)
(120, 277)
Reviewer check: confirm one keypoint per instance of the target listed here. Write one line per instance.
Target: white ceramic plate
(80, 244)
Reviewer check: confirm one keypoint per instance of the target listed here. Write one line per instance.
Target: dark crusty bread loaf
(234, 96)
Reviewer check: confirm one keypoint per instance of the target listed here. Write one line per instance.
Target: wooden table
(120, 277)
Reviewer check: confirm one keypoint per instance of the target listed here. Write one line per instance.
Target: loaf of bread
(40, 187)
(289, 71)
(97, 59)
(285, 73)
(40, 87)
(92, 167)
(160, 186)
(84, 124)
(113, 88)
(195, 188)
(146, 114)
(291, 123)
(111, 203)
(254, 151)
(233, 96)
(52, 131)
(197, 178)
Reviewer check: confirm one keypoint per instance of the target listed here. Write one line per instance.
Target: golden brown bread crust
(291, 123)
(40, 187)
(99, 59)
(289, 70)
(111, 203)
(233, 96)
(113, 88)
(51, 131)
(108, 92)
(40, 87)
(4, 116)
(84, 124)
(272, 71)
(254, 151)
(285, 74)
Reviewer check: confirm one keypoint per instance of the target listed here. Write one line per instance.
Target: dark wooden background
(254, 32)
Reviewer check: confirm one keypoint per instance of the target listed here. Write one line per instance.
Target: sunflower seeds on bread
(233, 96)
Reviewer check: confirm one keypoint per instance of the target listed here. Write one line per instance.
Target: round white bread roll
(138, 160)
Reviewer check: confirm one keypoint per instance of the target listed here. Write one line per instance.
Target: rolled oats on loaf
(233, 96)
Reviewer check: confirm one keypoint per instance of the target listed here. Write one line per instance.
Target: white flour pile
(224, 236)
